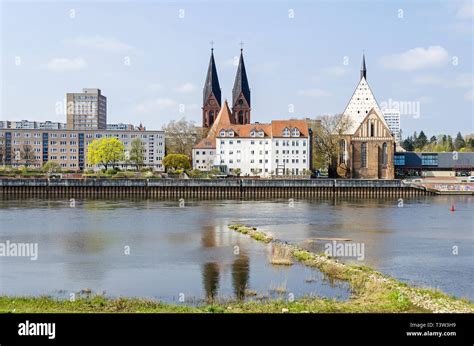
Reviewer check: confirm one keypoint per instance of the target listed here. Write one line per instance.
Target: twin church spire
(212, 95)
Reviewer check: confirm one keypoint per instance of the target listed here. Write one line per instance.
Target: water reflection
(240, 276)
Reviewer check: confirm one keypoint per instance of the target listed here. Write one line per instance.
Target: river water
(161, 250)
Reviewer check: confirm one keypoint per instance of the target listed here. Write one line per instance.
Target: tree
(407, 144)
(459, 142)
(421, 140)
(181, 136)
(327, 138)
(449, 144)
(176, 161)
(433, 140)
(237, 172)
(136, 152)
(106, 152)
(27, 154)
(51, 167)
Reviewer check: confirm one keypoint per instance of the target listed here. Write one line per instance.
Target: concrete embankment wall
(205, 188)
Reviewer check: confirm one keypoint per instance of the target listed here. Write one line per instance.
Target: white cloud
(460, 80)
(186, 88)
(469, 96)
(416, 58)
(64, 64)
(315, 93)
(466, 11)
(107, 44)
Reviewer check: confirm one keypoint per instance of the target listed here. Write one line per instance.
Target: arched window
(295, 132)
(342, 151)
(372, 129)
(211, 118)
(286, 132)
(241, 117)
(384, 154)
(222, 134)
(363, 154)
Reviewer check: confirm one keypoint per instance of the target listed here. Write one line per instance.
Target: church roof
(223, 118)
(360, 104)
(241, 83)
(212, 81)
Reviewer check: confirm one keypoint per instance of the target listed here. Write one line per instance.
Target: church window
(363, 155)
(372, 129)
(384, 154)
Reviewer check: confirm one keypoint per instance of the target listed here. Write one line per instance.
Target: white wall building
(279, 148)
(392, 117)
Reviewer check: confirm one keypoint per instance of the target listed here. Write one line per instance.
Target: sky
(303, 58)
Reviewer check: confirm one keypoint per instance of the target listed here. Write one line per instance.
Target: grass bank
(371, 292)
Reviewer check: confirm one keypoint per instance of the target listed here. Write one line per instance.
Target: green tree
(136, 152)
(106, 152)
(421, 140)
(176, 161)
(449, 144)
(433, 139)
(459, 142)
(407, 144)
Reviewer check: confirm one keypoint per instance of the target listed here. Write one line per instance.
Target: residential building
(86, 110)
(367, 146)
(69, 147)
(392, 118)
(424, 164)
(26, 124)
(279, 148)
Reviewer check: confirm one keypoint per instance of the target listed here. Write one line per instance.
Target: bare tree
(327, 141)
(181, 136)
(27, 154)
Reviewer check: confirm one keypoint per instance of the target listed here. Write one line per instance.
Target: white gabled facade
(279, 148)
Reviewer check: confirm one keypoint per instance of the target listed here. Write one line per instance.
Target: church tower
(241, 95)
(211, 104)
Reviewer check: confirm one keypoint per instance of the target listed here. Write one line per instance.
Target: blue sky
(302, 57)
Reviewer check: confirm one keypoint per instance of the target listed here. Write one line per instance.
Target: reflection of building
(392, 117)
(367, 147)
(240, 276)
(210, 278)
(434, 164)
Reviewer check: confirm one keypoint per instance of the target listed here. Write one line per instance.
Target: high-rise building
(392, 117)
(86, 110)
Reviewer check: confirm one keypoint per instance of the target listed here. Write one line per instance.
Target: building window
(295, 132)
(399, 160)
(363, 155)
(372, 129)
(342, 151)
(429, 160)
(384, 154)
(286, 132)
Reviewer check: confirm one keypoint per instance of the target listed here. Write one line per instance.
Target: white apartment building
(392, 118)
(279, 148)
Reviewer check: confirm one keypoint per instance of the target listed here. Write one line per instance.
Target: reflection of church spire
(240, 276)
(210, 278)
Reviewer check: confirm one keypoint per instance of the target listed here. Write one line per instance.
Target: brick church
(367, 146)
(212, 101)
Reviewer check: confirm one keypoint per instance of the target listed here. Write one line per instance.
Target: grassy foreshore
(371, 292)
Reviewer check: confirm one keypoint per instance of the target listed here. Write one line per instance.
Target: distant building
(26, 124)
(86, 110)
(392, 117)
(279, 148)
(367, 145)
(121, 127)
(421, 164)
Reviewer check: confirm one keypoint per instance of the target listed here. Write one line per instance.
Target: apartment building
(69, 147)
(279, 148)
(86, 110)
